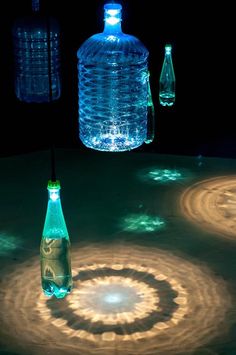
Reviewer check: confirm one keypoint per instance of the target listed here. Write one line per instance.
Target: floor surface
(153, 245)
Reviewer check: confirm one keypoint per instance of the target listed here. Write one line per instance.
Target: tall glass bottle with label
(167, 79)
(55, 247)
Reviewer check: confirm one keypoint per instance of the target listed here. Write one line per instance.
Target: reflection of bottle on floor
(55, 248)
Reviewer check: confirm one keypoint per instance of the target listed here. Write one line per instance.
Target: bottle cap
(54, 184)
(112, 14)
(168, 48)
(112, 6)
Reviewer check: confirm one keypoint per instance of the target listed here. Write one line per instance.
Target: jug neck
(112, 18)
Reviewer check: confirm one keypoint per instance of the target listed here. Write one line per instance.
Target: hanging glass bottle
(55, 247)
(36, 43)
(150, 116)
(113, 87)
(167, 79)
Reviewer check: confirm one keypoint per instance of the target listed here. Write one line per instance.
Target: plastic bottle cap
(112, 6)
(54, 185)
(112, 13)
(168, 48)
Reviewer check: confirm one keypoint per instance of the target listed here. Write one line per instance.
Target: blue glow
(112, 14)
(113, 87)
(35, 5)
(30, 41)
(141, 223)
(164, 175)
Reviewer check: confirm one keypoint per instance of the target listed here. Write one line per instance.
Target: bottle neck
(168, 57)
(168, 50)
(112, 29)
(112, 18)
(54, 195)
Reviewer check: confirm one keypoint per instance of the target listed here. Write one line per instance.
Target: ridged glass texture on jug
(113, 87)
(30, 41)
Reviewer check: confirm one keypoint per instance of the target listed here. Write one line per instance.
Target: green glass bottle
(167, 79)
(55, 258)
(150, 116)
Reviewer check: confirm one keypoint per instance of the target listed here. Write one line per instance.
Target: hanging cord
(52, 147)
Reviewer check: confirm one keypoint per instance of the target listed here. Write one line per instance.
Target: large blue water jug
(32, 57)
(113, 87)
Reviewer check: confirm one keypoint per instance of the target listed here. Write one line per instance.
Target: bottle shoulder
(55, 225)
(121, 46)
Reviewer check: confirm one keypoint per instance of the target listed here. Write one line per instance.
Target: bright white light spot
(111, 38)
(168, 49)
(113, 12)
(113, 298)
(54, 195)
(112, 20)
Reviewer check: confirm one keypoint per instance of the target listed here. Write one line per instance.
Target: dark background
(202, 120)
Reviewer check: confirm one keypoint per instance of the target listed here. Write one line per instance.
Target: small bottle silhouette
(167, 79)
(150, 116)
(113, 87)
(36, 44)
(56, 274)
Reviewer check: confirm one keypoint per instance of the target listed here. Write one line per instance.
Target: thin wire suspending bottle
(167, 79)
(113, 87)
(55, 247)
(32, 38)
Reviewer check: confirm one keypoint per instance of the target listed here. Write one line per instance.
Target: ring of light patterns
(126, 299)
(212, 204)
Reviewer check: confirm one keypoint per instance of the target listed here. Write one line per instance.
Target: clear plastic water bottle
(55, 247)
(32, 57)
(167, 79)
(113, 87)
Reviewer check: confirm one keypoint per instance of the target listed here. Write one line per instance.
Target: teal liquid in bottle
(56, 276)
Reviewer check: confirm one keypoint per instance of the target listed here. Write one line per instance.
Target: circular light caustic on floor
(212, 204)
(126, 300)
